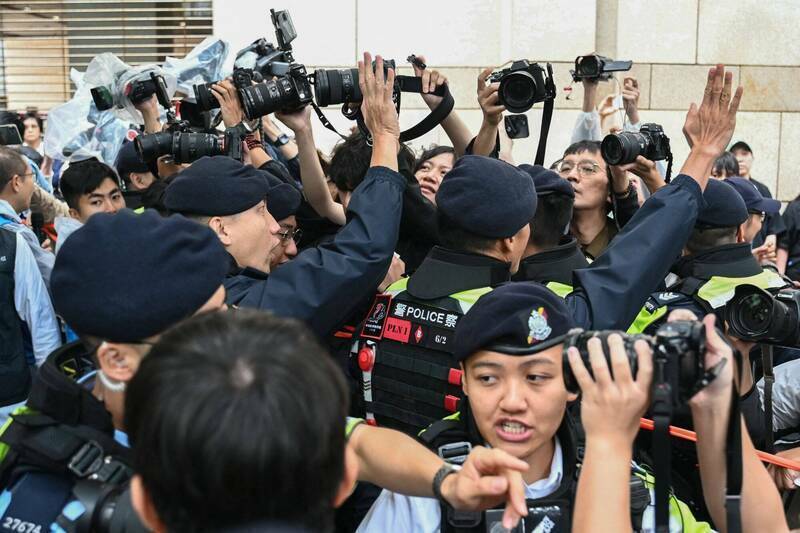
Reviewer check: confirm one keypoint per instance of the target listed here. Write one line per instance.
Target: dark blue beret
(487, 197)
(221, 186)
(283, 199)
(752, 196)
(724, 206)
(125, 277)
(516, 318)
(547, 181)
(129, 161)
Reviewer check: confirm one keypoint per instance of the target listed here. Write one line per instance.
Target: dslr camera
(623, 148)
(524, 84)
(261, 62)
(678, 347)
(137, 91)
(756, 315)
(597, 68)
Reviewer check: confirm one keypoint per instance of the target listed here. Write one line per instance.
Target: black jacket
(556, 264)
(322, 285)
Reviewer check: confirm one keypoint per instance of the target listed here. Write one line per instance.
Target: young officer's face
(107, 198)
(518, 402)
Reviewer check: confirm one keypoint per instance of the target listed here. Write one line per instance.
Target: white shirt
(395, 512)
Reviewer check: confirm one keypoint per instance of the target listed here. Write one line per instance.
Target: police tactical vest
(409, 376)
(712, 295)
(62, 437)
(15, 376)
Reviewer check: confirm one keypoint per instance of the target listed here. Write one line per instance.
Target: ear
(572, 396)
(218, 225)
(74, 214)
(143, 505)
(740, 232)
(464, 380)
(349, 477)
(136, 179)
(16, 182)
(117, 361)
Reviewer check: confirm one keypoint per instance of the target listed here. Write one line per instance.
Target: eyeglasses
(585, 168)
(294, 234)
(762, 214)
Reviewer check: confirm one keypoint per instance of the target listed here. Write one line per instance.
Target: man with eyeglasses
(289, 235)
(323, 285)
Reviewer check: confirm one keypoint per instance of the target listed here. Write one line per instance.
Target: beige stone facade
(672, 44)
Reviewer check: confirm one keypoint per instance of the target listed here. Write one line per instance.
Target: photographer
(321, 285)
(611, 408)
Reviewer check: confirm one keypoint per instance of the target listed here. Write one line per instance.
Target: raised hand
(431, 80)
(489, 99)
(378, 109)
(229, 104)
(630, 98)
(709, 128)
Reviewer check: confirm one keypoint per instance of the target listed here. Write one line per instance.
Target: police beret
(221, 186)
(547, 181)
(487, 197)
(129, 161)
(125, 277)
(516, 318)
(724, 206)
(283, 199)
(752, 197)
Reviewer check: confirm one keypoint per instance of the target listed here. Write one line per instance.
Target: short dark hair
(726, 163)
(431, 152)
(703, 239)
(83, 178)
(593, 147)
(11, 163)
(237, 418)
(32, 114)
(350, 162)
(553, 214)
(452, 236)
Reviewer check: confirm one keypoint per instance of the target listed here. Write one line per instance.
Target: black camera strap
(662, 453)
(733, 463)
(769, 380)
(547, 115)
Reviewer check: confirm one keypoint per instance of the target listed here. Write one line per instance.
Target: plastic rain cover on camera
(76, 129)
(205, 63)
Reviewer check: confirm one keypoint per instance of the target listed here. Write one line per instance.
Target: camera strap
(733, 464)
(547, 115)
(769, 380)
(662, 453)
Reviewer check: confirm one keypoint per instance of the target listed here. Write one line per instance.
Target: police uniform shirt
(395, 512)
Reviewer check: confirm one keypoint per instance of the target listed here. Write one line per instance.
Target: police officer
(322, 285)
(717, 257)
(510, 348)
(120, 281)
(552, 254)
(484, 207)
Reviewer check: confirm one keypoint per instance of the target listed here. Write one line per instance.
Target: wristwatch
(281, 140)
(445, 470)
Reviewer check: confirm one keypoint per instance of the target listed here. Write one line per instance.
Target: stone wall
(672, 44)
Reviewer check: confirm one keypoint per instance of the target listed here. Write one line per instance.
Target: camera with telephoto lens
(755, 315)
(623, 148)
(523, 84)
(260, 63)
(340, 86)
(186, 146)
(678, 347)
(597, 68)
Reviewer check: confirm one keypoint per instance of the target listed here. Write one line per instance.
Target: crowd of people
(378, 340)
